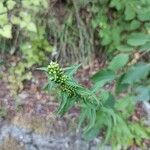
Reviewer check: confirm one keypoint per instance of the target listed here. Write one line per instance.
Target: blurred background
(87, 32)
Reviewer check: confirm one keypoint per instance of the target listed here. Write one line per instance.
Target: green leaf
(2, 8)
(118, 62)
(136, 73)
(15, 20)
(101, 78)
(64, 98)
(144, 14)
(126, 105)
(138, 131)
(103, 75)
(135, 25)
(137, 39)
(6, 31)
(147, 26)
(125, 48)
(119, 86)
(10, 4)
(93, 132)
(3, 19)
(91, 115)
(116, 4)
(145, 47)
(129, 12)
(31, 27)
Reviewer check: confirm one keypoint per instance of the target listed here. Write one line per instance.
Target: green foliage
(117, 18)
(22, 28)
(16, 76)
(102, 110)
(118, 62)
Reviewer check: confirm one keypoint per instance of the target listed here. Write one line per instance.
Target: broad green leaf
(101, 78)
(105, 34)
(125, 48)
(129, 12)
(119, 86)
(103, 75)
(15, 20)
(118, 62)
(144, 14)
(126, 105)
(10, 4)
(136, 73)
(3, 20)
(116, 4)
(115, 34)
(137, 39)
(31, 27)
(135, 25)
(2, 8)
(145, 47)
(6, 31)
(110, 102)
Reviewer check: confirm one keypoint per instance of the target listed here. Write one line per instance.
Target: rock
(146, 106)
(30, 147)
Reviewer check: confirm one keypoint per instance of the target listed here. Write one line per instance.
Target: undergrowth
(102, 110)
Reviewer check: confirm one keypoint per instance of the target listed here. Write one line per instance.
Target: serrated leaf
(135, 25)
(145, 47)
(6, 31)
(129, 12)
(119, 86)
(126, 105)
(32, 27)
(15, 20)
(3, 19)
(2, 8)
(103, 75)
(116, 4)
(144, 14)
(118, 62)
(125, 48)
(137, 39)
(10, 4)
(101, 78)
(139, 131)
(136, 73)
